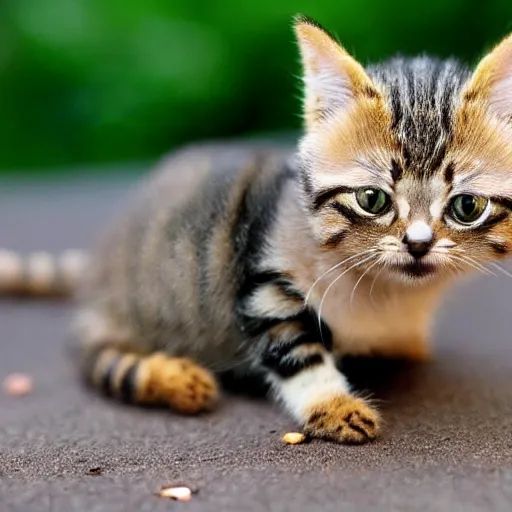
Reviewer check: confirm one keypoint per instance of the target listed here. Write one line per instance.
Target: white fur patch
(269, 301)
(403, 207)
(501, 96)
(444, 244)
(436, 209)
(419, 231)
(309, 387)
(328, 85)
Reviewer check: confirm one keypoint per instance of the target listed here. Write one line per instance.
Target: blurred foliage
(98, 81)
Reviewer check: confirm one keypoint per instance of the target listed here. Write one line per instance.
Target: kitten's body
(229, 218)
(229, 256)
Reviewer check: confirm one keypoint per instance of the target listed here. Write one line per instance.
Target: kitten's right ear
(492, 80)
(332, 78)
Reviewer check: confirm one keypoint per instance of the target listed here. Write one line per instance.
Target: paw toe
(343, 419)
(181, 384)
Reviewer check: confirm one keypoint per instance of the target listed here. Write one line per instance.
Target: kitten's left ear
(492, 80)
(332, 78)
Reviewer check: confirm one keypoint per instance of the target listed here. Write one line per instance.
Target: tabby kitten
(263, 262)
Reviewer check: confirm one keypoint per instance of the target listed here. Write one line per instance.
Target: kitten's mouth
(417, 268)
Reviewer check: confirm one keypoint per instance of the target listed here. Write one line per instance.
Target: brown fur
(177, 382)
(345, 419)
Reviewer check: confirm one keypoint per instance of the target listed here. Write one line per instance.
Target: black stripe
(287, 367)
(106, 382)
(446, 108)
(289, 290)
(307, 184)
(128, 387)
(396, 108)
(499, 248)
(407, 156)
(336, 239)
(438, 158)
(313, 331)
(503, 201)
(278, 356)
(323, 196)
(448, 173)
(257, 279)
(256, 326)
(396, 170)
(255, 216)
(370, 92)
(280, 349)
(348, 213)
(308, 320)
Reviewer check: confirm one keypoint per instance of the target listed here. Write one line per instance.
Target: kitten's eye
(373, 200)
(467, 209)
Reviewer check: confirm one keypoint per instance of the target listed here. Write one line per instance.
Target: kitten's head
(410, 161)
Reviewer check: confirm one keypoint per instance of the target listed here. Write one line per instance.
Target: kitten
(263, 262)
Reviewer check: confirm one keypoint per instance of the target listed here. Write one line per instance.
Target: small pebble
(18, 384)
(293, 438)
(176, 493)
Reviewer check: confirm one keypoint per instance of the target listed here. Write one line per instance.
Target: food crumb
(176, 493)
(18, 384)
(293, 438)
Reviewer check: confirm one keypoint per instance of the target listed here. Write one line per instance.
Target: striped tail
(153, 379)
(41, 274)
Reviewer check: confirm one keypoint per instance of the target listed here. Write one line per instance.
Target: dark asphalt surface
(447, 443)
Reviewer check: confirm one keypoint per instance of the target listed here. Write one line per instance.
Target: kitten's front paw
(344, 419)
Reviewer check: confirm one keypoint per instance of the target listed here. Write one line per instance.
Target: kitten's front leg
(304, 376)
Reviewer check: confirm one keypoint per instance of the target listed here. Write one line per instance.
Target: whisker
(332, 284)
(334, 267)
(500, 268)
(373, 284)
(483, 267)
(473, 263)
(360, 279)
(454, 268)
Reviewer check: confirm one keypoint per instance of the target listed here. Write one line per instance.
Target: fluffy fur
(258, 262)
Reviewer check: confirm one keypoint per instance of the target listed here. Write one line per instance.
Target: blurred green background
(95, 82)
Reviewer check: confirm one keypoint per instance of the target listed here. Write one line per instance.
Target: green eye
(467, 209)
(373, 200)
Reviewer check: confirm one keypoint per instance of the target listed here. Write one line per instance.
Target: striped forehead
(422, 95)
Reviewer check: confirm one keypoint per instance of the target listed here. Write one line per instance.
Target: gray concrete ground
(447, 443)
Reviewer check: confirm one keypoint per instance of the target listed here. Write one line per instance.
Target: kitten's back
(168, 267)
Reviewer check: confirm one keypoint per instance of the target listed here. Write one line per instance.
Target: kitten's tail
(41, 274)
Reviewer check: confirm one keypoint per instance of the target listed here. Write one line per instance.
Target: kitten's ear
(332, 78)
(492, 80)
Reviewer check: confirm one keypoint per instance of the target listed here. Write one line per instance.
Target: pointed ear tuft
(492, 80)
(332, 78)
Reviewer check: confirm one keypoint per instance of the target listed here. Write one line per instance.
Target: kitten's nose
(418, 238)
